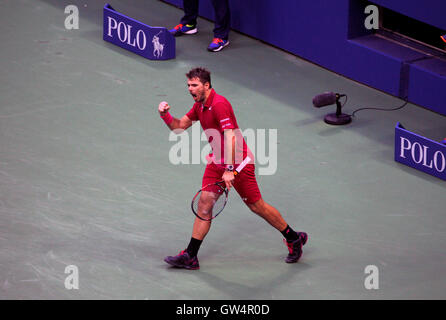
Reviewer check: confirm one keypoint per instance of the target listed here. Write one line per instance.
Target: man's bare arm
(174, 124)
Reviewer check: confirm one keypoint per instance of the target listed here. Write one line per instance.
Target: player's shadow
(238, 291)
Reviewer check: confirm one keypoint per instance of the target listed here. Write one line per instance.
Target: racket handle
(242, 165)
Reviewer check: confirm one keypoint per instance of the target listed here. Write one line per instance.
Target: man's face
(197, 89)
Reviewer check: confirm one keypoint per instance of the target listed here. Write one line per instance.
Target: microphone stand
(338, 118)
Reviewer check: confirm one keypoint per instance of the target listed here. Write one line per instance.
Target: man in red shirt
(216, 115)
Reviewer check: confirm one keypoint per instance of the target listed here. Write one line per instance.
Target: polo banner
(420, 153)
(154, 43)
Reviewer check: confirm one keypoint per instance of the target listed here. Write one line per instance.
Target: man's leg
(293, 240)
(222, 19)
(188, 257)
(222, 25)
(202, 227)
(269, 213)
(188, 23)
(205, 205)
(190, 12)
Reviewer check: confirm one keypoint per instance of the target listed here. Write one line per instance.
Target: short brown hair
(201, 73)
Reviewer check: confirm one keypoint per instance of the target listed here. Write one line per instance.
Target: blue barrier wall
(428, 11)
(331, 33)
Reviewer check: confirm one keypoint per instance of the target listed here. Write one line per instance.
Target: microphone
(326, 99)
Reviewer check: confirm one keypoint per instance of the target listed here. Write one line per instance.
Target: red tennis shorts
(245, 182)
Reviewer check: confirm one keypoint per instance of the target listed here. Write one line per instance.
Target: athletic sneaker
(295, 247)
(181, 29)
(217, 44)
(183, 260)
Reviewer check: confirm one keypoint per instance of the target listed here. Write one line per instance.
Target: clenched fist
(163, 108)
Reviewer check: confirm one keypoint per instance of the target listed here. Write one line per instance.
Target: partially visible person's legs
(222, 19)
(190, 12)
(188, 23)
(222, 25)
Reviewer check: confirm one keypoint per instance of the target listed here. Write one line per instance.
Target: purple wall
(428, 11)
(332, 34)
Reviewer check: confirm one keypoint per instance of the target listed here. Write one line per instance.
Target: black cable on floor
(375, 108)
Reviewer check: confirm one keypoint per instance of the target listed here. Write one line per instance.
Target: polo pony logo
(157, 46)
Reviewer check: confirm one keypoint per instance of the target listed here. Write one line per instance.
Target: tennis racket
(210, 200)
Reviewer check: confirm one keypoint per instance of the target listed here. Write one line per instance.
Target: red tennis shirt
(215, 116)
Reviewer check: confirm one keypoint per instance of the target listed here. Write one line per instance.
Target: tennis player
(216, 115)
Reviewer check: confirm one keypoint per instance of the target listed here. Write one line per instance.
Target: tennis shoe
(181, 29)
(295, 247)
(217, 44)
(183, 260)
